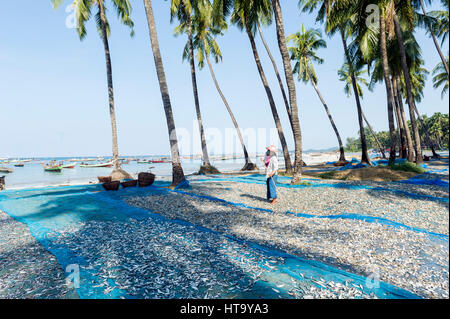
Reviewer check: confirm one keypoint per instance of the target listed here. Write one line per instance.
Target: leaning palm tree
(432, 31)
(295, 123)
(306, 43)
(183, 10)
(345, 76)
(83, 10)
(177, 170)
(440, 77)
(338, 19)
(205, 31)
(440, 28)
(246, 16)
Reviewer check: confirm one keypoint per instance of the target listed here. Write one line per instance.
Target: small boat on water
(6, 170)
(19, 165)
(110, 164)
(52, 166)
(55, 169)
(68, 166)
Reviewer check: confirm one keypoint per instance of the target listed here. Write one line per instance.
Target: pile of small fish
(406, 259)
(27, 270)
(421, 213)
(162, 259)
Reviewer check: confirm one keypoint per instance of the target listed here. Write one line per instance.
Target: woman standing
(271, 162)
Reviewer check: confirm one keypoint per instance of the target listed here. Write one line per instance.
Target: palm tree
(338, 18)
(441, 26)
(440, 77)
(388, 84)
(183, 10)
(277, 73)
(83, 11)
(177, 170)
(432, 33)
(246, 16)
(205, 31)
(306, 43)
(345, 76)
(295, 123)
(405, 7)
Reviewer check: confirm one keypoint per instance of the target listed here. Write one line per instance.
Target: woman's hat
(272, 148)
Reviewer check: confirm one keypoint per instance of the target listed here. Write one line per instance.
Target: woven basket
(104, 179)
(146, 179)
(111, 186)
(132, 183)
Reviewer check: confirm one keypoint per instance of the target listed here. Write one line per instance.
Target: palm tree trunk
(112, 113)
(436, 43)
(341, 146)
(273, 107)
(387, 82)
(248, 163)
(411, 103)
(401, 128)
(364, 154)
(295, 123)
(375, 137)
(177, 170)
(409, 141)
(280, 81)
(206, 161)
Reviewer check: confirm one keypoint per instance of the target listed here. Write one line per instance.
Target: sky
(54, 101)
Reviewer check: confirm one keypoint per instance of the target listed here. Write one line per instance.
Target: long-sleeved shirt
(272, 167)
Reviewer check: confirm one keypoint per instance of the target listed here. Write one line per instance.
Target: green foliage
(437, 125)
(83, 10)
(408, 167)
(440, 77)
(306, 43)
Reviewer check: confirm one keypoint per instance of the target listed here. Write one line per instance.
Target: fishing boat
(144, 162)
(55, 169)
(68, 166)
(6, 170)
(110, 164)
(19, 165)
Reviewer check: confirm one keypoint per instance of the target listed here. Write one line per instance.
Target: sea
(32, 174)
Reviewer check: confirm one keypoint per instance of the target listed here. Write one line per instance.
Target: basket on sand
(130, 183)
(104, 179)
(146, 179)
(111, 186)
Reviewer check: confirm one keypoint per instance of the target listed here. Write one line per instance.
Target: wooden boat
(19, 165)
(144, 162)
(96, 165)
(6, 170)
(53, 169)
(68, 166)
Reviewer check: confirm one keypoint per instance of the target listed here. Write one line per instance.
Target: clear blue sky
(53, 95)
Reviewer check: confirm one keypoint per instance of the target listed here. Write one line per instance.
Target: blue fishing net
(128, 252)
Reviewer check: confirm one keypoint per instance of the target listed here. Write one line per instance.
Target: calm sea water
(33, 174)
